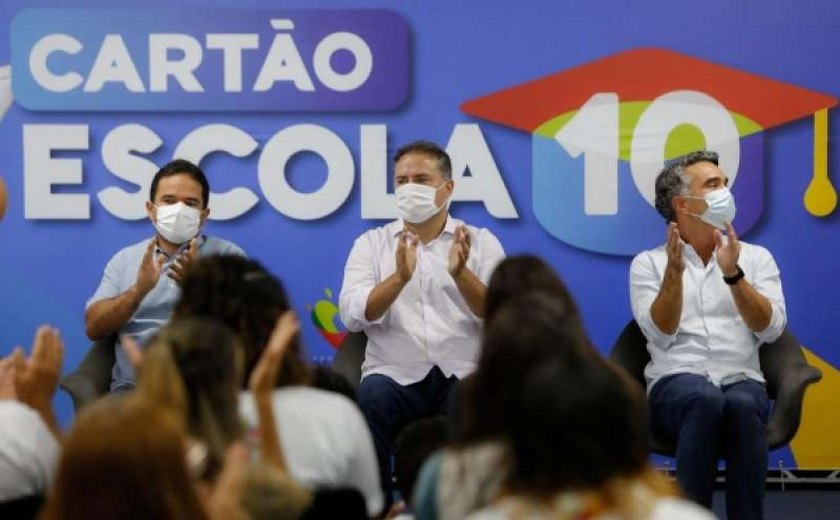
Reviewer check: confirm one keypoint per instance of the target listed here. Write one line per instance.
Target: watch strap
(735, 278)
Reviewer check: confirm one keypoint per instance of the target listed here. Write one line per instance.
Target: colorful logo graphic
(601, 132)
(324, 315)
(192, 60)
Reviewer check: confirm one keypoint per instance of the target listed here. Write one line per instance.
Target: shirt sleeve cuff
(352, 310)
(775, 328)
(654, 334)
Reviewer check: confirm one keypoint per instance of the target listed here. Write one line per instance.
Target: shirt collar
(201, 240)
(395, 227)
(451, 224)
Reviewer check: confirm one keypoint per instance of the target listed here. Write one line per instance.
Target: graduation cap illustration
(603, 130)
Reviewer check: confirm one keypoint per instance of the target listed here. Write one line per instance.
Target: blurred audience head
(270, 494)
(415, 443)
(193, 366)
(519, 275)
(124, 458)
(243, 295)
(577, 429)
(525, 332)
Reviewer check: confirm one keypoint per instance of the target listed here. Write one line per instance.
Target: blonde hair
(270, 493)
(628, 498)
(192, 367)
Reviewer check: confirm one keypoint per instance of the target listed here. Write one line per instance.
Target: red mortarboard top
(646, 73)
(642, 75)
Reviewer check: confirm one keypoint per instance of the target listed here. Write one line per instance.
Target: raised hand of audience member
(7, 379)
(263, 380)
(36, 378)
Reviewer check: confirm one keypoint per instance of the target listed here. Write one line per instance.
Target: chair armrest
(787, 408)
(92, 378)
(81, 390)
(350, 356)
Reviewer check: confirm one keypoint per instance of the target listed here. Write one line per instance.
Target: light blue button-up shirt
(155, 309)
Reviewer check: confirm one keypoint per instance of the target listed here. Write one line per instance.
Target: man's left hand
(727, 252)
(459, 252)
(179, 265)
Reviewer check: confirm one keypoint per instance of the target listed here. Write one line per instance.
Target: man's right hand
(150, 269)
(666, 310)
(674, 249)
(385, 293)
(406, 255)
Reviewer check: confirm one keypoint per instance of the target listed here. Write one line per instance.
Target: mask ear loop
(448, 199)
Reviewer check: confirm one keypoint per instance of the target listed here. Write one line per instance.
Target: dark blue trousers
(709, 422)
(388, 406)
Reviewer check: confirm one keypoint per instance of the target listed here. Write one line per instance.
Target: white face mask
(416, 202)
(177, 223)
(720, 210)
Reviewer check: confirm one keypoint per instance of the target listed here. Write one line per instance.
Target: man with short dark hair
(416, 287)
(706, 302)
(133, 298)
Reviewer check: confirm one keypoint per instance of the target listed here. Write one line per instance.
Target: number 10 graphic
(596, 189)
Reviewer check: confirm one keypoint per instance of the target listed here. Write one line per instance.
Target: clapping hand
(36, 378)
(150, 268)
(179, 265)
(727, 253)
(674, 249)
(406, 255)
(459, 253)
(33, 381)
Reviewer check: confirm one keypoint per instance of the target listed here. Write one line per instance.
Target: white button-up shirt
(429, 323)
(712, 339)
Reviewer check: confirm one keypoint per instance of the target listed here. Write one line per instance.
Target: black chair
(350, 356)
(22, 508)
(785, 369)
(92, 379)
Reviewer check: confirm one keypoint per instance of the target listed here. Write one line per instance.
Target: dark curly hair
(243, 295)
(519, 275)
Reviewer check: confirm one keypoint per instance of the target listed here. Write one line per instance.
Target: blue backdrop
(75, 191)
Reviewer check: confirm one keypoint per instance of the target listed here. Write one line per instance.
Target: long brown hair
(583, 431)
(124, 458)
(524, 333)
(243, 295)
